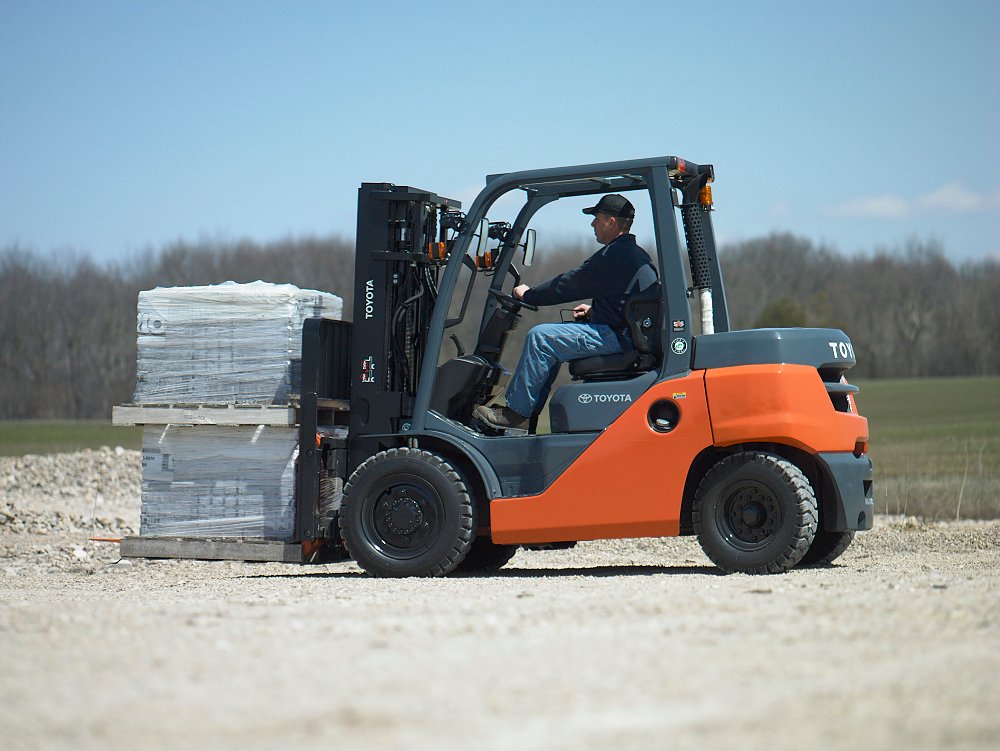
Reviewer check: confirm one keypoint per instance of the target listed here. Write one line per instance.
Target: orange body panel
(779, 404)
(628, 483)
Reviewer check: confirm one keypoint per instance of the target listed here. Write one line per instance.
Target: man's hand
(519, 291)
(581, 312)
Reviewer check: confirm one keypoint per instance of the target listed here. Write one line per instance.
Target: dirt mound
(53, 504)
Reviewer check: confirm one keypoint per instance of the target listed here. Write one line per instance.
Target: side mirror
(529, 247)
(484, 236)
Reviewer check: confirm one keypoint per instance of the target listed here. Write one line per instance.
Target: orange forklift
(750, 440)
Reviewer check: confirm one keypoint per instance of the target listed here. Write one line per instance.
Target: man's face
(605, 228)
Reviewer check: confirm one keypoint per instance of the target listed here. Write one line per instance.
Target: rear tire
(827, 547)
(755, 513)
(406, 512)
(485, 556)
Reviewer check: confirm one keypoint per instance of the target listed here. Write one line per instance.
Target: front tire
(755, 513)
(406, 512)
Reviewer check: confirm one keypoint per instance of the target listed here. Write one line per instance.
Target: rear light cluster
(841, 394)
(840, 391)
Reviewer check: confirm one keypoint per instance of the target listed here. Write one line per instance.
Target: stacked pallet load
(218, 373)
(219, 481)
(224, 343)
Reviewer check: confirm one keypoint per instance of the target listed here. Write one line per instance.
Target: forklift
(751, 440)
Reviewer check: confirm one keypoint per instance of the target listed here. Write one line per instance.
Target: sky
(125, 126)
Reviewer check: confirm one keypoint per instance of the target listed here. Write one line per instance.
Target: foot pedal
(494, 432)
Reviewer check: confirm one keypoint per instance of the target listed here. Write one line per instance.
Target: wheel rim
(403, 516)
(749, 516)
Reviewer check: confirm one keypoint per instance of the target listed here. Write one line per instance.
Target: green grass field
(55, 437)
(935, 443)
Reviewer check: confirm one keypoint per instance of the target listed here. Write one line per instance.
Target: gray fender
(485, 469)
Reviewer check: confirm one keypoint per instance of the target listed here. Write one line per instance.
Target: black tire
(406, 512)
(827, 547)
(485, 556)
(755, 513)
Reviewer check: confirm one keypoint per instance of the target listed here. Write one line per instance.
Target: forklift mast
(401, 246)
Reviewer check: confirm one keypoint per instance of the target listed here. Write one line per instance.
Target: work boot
(501, 418)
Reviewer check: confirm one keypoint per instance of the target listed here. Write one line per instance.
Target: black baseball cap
(613, 204)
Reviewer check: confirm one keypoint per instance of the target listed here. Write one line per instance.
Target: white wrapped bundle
(214, 481)
(224, 343)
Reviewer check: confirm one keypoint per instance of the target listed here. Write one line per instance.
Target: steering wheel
(503, 297)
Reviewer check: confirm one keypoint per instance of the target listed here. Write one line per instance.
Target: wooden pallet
(210, 549)
(214, 414)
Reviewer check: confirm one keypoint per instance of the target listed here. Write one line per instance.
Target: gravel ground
(632, 644)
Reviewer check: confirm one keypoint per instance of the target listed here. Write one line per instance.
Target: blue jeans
(548, 346)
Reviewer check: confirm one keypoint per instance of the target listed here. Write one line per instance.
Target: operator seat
(642, 315)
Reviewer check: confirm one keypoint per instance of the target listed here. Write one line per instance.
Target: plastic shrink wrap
(214, 481)
(225, 343)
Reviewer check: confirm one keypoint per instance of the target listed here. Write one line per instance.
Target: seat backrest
(642, 314)
(641, 311)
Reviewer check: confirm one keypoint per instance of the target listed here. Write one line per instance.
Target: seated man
(609, 276)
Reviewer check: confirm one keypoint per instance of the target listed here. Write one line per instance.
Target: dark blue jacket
(609, 276)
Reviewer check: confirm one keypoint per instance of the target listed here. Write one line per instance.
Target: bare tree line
(68, 339)
(909, 311)
(68, 325)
